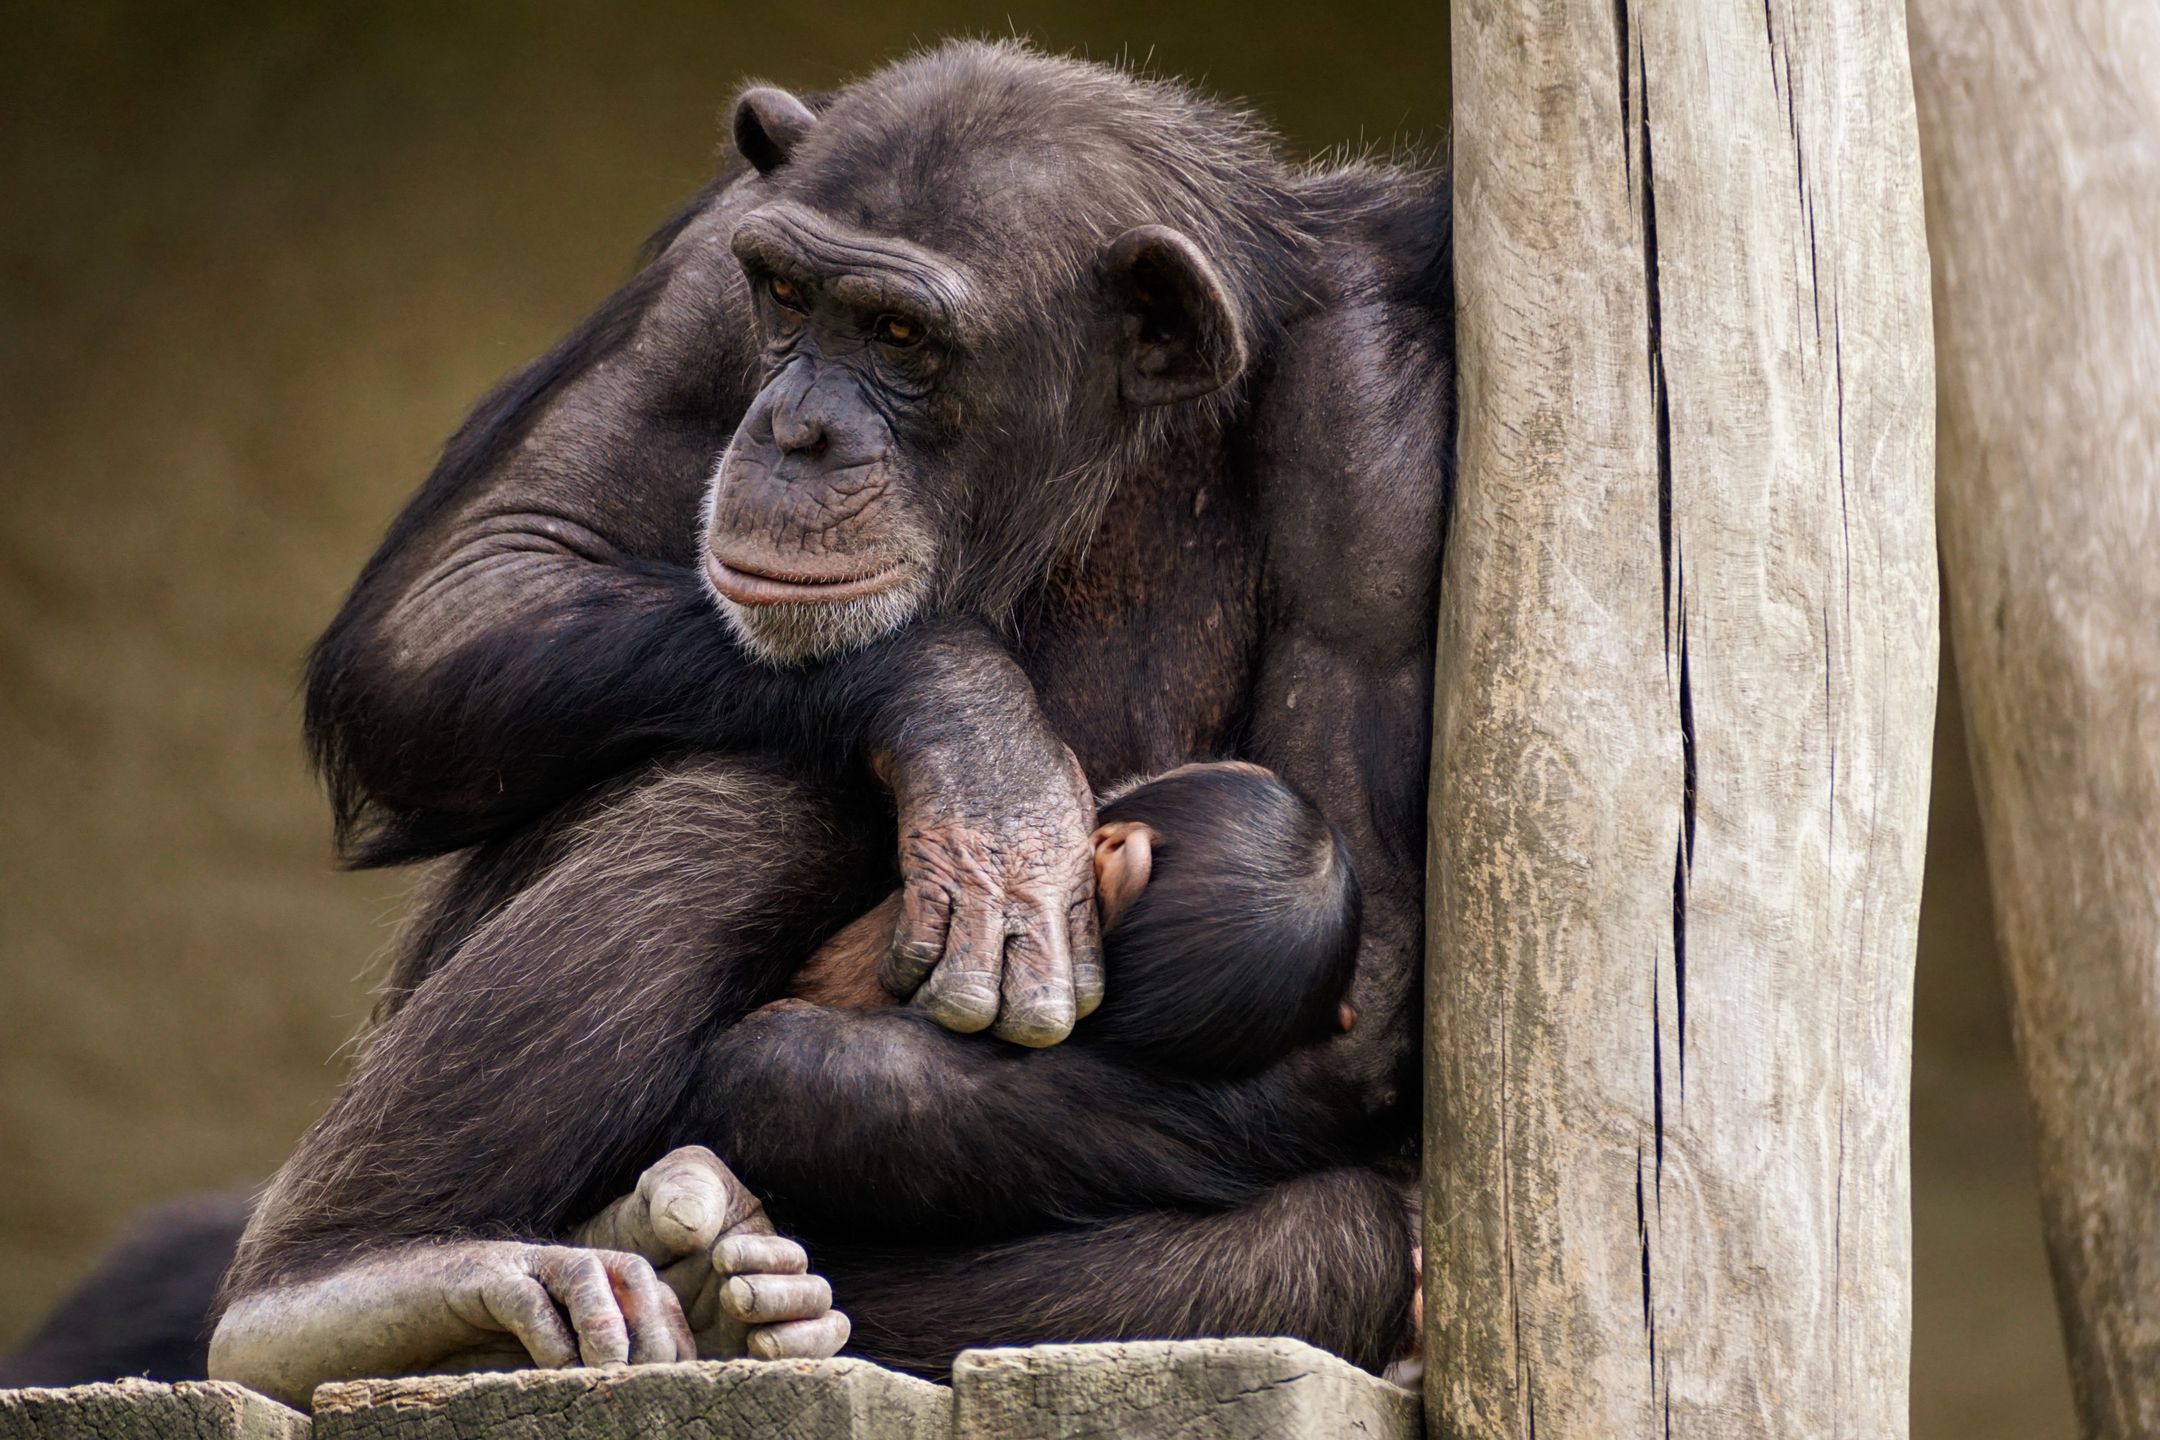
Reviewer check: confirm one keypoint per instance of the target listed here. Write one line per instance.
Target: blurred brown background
(253, 266)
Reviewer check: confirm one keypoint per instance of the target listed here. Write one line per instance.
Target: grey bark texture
(2041, 132)
(1686, 683)
(1174, 1390)
(772, 1400)
(145, 1410)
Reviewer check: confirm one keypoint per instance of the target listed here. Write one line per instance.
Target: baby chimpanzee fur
(1241, 940)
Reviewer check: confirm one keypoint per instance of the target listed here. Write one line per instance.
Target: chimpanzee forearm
(532, 1076)
(592, 668)
(882, 1122)
(1327, 1258)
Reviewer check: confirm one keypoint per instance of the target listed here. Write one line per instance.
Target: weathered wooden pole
(1687, 676)
(2041, 127)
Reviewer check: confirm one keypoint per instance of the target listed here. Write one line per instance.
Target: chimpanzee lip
(767, 584)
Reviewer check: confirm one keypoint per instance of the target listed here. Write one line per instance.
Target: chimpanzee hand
(745, 1289)
(497, 1304)
(997, 924)
(450, 1306)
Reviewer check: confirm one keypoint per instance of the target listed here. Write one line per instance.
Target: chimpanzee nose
(800, 430)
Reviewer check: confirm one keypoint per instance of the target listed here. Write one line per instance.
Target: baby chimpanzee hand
(745, 1289)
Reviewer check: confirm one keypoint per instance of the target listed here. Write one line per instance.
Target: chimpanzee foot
(745, 1289)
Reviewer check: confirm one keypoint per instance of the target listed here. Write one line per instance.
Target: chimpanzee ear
(1181, 334)
(1124, 859)
(768, 124)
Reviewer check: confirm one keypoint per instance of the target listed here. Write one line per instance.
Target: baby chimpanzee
(1230, 925)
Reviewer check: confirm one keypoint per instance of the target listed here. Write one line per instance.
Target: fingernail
(689, 1213)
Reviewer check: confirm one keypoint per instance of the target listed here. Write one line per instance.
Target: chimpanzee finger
(658, 1332)
(1038, 981)
(1087, 961)
(580, 1284)
(962, 992)
(774, 1299)
(801, 1339)
(692, 1199)
(520, 1305)
(918, 940)
(760, 1255)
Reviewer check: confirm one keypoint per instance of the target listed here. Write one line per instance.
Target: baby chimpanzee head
(1230, 914)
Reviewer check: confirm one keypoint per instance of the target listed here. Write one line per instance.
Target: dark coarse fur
(656, 826)
(1243, 942)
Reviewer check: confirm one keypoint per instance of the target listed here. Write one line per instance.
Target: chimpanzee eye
(898, 331)
(785, 293)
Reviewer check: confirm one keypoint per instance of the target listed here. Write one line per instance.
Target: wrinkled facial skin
(871, 477)
(822, 530)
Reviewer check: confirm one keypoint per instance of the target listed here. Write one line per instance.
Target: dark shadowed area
(253, 266)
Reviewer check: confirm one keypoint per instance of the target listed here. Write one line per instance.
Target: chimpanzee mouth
(764, 584)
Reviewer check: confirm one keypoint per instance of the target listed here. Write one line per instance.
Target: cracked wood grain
(147, 1410)
(1686, 685)
(2041, 132)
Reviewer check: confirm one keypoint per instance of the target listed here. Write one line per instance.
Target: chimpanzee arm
(1328, 1258)
(880, 1122)
(527, 1080)
(1375, 376)
(534, 614)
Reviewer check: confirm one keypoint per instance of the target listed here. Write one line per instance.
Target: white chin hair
(790, 634)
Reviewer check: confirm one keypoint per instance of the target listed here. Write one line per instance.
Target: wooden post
(1687, 676)
(2041, 124)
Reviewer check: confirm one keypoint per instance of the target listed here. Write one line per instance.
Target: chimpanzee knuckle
(477, 1297)
(935, 860)
(464, 1270)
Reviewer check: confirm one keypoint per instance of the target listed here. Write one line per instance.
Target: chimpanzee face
(823, 527)
(956, 368)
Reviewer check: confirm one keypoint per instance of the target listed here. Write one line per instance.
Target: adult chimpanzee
(1074, 435)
